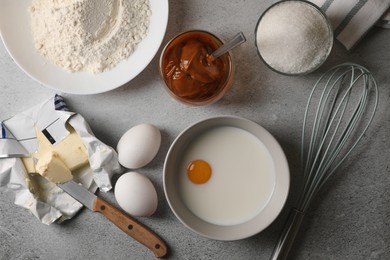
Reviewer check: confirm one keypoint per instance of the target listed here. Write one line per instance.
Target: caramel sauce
(188, 70)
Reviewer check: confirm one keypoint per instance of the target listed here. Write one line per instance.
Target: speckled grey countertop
(350, 219)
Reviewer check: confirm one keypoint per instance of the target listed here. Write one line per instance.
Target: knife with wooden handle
(126, 223)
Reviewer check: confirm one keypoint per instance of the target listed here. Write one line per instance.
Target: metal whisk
(339, 111)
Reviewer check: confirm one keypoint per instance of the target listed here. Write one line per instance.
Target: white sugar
(293, 37)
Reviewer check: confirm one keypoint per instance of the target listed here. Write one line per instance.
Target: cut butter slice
(53, 168)
(29, 164)
(70, 150)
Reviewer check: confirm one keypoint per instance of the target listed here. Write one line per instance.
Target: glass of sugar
(294, 37)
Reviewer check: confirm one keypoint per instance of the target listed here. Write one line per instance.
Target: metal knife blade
(79, 193)
(127, 224)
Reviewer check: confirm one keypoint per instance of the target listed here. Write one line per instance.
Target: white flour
(88, 35)
(293, 37)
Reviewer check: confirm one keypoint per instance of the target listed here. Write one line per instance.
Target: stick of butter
(70, 150)
(53, 168)
(29, 164)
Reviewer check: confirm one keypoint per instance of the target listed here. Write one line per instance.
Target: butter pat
(53, 168)
(29, 164)
(70, 150)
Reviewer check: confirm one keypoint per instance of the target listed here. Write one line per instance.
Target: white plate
(17, 38)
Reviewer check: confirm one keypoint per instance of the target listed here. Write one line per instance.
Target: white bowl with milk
(246, 188)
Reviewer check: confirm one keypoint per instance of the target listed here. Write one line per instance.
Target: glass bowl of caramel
(188, 73)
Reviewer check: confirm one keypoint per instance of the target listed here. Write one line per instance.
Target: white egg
(138, 146)
(136, 194)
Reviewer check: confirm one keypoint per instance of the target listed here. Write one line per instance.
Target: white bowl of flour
(83, 46)
(294, 37)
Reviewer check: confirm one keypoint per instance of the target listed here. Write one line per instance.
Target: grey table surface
(349, 219)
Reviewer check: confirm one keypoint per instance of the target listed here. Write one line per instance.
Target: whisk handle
(287, 237)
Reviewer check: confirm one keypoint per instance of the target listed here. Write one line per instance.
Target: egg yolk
(199, 171)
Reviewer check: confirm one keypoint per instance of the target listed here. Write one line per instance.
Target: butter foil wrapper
(18, 140)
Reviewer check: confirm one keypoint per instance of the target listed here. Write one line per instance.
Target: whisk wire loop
(326, 106)
(329, 141)
(358, 115)
(319, 119)
(338, 126)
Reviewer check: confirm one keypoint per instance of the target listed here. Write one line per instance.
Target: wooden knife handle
(132, 227)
